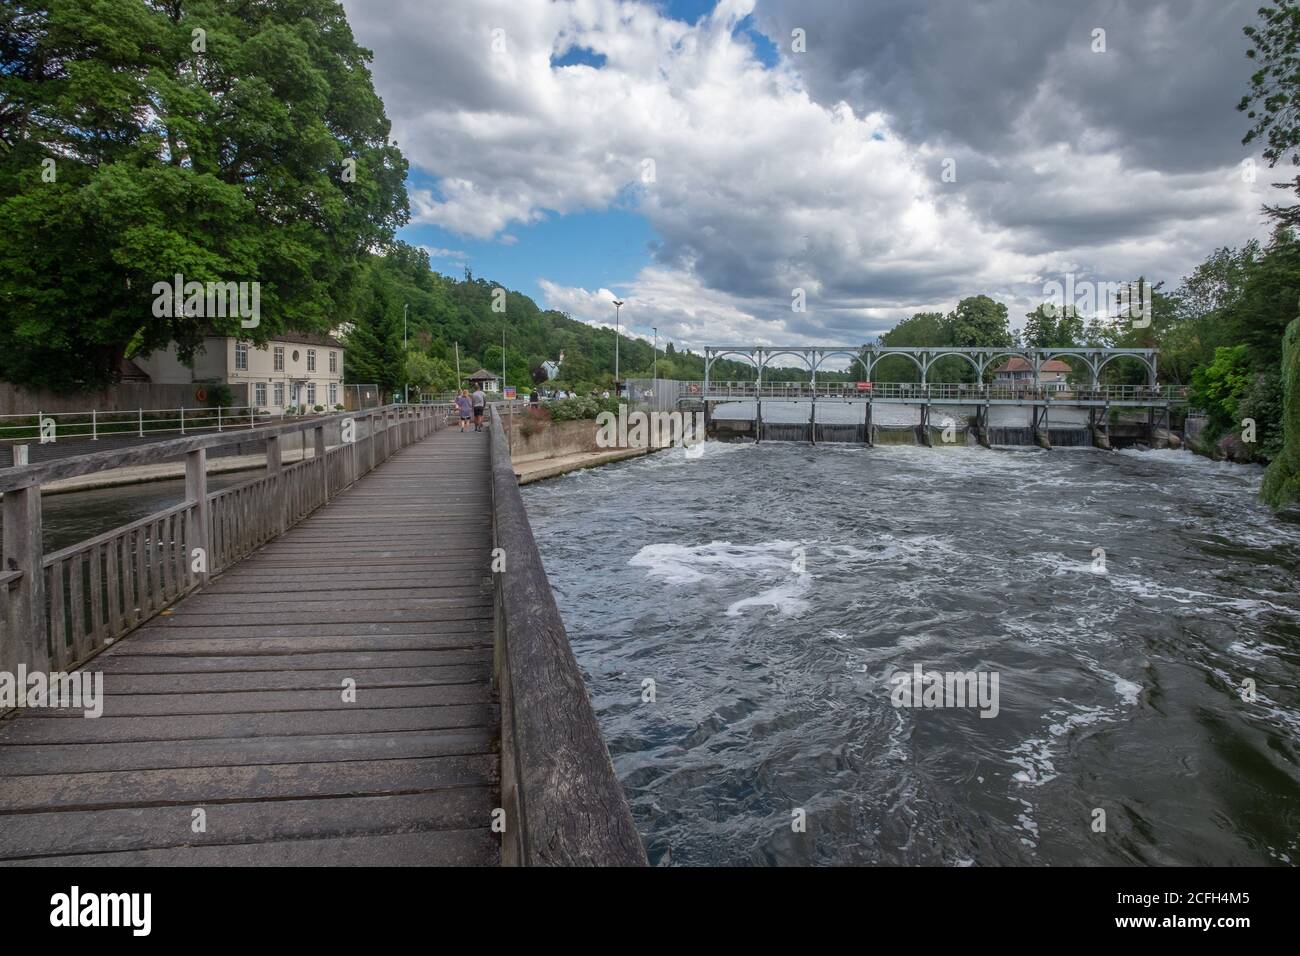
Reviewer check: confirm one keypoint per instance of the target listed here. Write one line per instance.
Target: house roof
(482, 375)
(291, 337)
(1017, 364)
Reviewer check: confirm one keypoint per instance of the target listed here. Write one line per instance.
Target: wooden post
(374, 437)
(22, 552)
(196, 492)
(273, 467)
(318, 451)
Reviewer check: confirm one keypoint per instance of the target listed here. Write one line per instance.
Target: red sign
(864, 386)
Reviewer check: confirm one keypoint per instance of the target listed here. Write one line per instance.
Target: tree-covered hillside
(474, 313)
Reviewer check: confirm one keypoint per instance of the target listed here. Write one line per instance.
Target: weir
(1064, 414)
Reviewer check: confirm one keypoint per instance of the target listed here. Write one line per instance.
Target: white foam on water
(1129, 692)
(1182, 458)
(786, 598)
(686, 564)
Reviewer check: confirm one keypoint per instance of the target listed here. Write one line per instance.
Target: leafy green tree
(374, 339)
(979, 322)
(1273, 102)
(1049, 327)
(222, 140)
(428, 374)
(1281, 485)
(1217, 388)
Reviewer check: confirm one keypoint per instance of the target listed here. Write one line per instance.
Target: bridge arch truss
(981, 360)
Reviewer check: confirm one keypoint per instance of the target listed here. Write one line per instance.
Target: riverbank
(547, 449)
(541, 469)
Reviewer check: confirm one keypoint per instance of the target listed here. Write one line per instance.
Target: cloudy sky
(687, 157)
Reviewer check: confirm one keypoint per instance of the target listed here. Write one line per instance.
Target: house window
(334, 362)
(311, 393)
(279, 394)
(279, 358)
(311, 360)
(241, 356)
(259, 394)
(334, 389)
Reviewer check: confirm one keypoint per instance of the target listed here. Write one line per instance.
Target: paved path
(232, 703)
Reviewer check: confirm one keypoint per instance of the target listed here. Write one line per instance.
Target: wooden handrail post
(374, 437)
(22, 551)
(318, 452)
(273, 467)
(196, 492)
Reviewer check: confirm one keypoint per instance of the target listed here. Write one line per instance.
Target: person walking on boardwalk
(463, 407)
(479, 401)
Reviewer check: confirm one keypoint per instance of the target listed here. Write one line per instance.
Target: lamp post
(655, 375)
(617, 305)
(406, 389)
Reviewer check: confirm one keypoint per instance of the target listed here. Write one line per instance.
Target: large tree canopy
(222, 140)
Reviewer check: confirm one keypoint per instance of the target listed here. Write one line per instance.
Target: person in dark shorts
(479, 400)
(463, 407)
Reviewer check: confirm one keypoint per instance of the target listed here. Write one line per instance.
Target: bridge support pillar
(1041, 435)
(982, 426)
(197, 533)
(868, 426)
(925, 426)
(22, 549)
(758, 419)
(812, 419)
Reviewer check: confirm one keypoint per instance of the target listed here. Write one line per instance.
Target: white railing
(140, 423)
(939, 392)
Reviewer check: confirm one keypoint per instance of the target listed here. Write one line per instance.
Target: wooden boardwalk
(232, 702)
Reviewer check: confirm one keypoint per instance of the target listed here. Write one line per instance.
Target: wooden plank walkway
(232, 701)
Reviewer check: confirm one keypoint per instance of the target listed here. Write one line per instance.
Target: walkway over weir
(356, 685)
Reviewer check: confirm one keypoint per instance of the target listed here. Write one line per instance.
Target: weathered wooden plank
(120, 684)
(244, 751)
(295, 662)
(146, 828)
(104, 729)
(97, 629)
(58, 627)
(268, 781)
(341, 614)
(446, 847)
(276, 701)
(420, 633)
(113, 581)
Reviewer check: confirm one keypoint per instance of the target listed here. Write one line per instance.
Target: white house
(1018, 371)
(294, 369)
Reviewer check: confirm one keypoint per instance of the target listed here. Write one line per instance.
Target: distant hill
(445, 311)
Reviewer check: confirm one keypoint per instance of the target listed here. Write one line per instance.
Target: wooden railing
(557, 780)
(59, 610)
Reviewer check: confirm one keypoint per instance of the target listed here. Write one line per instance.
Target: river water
(770, 591)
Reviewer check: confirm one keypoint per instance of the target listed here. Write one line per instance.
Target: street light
(655, 374)
(617, 305)
(406, 389)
